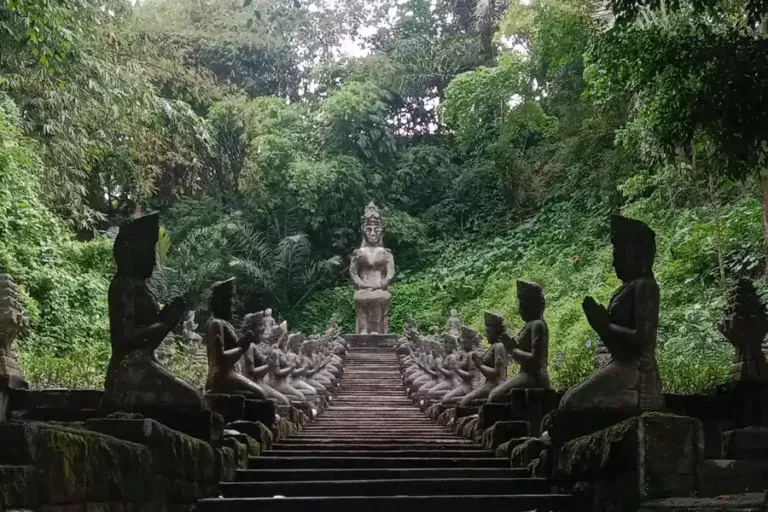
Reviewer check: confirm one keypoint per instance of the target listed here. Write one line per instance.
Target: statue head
(294, 342)
(450, 343)
(372, 229)
(308, 347)
(222, 293)
(134, 247)
(530, 298)
(634, 248)
(268, 313)
(494, 326)
(279, 335)
(254, 322)
(470, 338)
(454, 313)
(190, 316)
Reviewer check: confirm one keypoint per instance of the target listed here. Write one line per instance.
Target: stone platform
(371, 340)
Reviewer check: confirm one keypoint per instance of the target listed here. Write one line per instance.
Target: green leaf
(247, 3)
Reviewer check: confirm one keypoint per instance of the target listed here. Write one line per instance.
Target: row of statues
(627, 328)
(261, 360)
(264, 360)
(449, 371)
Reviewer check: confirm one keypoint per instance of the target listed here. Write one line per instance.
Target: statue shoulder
(645, 285)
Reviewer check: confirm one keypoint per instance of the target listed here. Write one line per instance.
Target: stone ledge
(370, 340)
(647, 457)
(503, 431)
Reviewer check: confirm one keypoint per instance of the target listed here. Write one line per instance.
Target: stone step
(749, 502)
(333, 462)
(387, 453)
(507, 503)
(291, 441)
(370, 446)
(271, 475)
(395, 487)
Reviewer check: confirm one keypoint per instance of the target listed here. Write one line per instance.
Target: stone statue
(447, 381)
(453, 325)
(464, 368)
(372, 269)
(225, 347)
(493, 365)
(11, 321)
(744, 323)
(282, 368)
(188, 331)
(627, 328)
(259, 360)
(137, 327)
(269, 323)
(531, 349)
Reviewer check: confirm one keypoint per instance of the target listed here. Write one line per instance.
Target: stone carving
(744, 323)
(531, 349)
(259, 360)
(269, 323)
(453, 324)
(11, 321)
(189, 327)
(493, 365)
(225, 347)
(298, 377)
(448, 377)
(138, 326)
(627, 328)
(432, 374)
(464, 368)
(281, 367)
(372, 269)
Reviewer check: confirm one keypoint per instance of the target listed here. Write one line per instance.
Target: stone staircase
(372, 450)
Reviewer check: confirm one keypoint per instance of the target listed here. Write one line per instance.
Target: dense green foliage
(497, 136)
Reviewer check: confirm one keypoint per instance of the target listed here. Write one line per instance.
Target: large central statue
(372, 269)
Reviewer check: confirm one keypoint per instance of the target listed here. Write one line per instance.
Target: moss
(18, 487)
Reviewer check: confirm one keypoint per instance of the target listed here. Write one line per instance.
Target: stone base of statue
(370, 340)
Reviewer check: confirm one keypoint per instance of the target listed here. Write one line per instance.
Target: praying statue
(225, 347)
(627, 327)
(493, 364)
(137, 326)
(531, 349)
(188, 330)
(372, 269)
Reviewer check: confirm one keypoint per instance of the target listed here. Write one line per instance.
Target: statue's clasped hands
(596, 314)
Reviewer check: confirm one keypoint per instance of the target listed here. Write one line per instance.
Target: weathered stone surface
(230, 407)
(721, 477)
(255, 430)
(491, 413)
(525, 453)
(748, 443)
(658, 454)
(240, 450)
(254, 447)
(18, 487)
(564, 425)
(503, 431)
(750, 502)
(202, 424)
(370, 340)
(77, 466)
(504, 450)
(175, 455)
(262, 411)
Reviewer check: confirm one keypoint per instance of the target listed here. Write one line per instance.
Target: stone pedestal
(370, 340)
(10, 326)
(648, 457)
